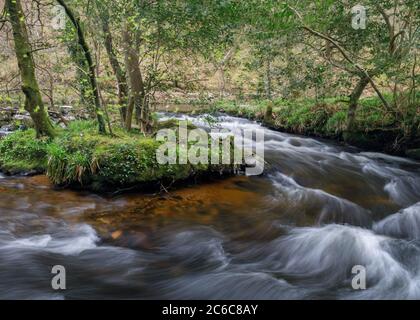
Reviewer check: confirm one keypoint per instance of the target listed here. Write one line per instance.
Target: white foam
(403, 224)
(379, 156)
(331, 208)
(82, 238)
(404, 191)
(329, 253)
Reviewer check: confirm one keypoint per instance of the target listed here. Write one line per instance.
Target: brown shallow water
(294, 232)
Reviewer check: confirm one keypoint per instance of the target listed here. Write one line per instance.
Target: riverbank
(375, 129)
(79, 157)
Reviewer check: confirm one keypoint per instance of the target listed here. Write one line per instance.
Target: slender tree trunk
(134, 76)
(354, 99)
(222, 85)
(119, 73)
(33, 99)
(77, 56)
(222, 66)
(90, 64)
(267, 81)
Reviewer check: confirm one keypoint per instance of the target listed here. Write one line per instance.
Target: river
(294, 232)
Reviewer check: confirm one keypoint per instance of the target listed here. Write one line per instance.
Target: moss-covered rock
(81, 157)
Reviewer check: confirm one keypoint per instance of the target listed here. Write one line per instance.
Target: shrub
(21, 152)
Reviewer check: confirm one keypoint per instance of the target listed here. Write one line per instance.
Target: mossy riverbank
(375, 129)
(80, 157)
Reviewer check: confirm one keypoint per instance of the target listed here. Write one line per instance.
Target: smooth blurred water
(293, 233)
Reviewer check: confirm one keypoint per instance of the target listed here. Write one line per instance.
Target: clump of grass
(336, 123)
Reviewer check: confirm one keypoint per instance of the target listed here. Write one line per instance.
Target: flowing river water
(294, 232)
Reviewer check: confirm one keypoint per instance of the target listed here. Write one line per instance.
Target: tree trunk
(119, 73)
(222, 66)
(135, 78)
(267, 82)
(222, 83)
(90, 64)
(33, 99)
(86, 98)
(354, 99)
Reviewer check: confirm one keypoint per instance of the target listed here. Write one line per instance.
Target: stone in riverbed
(65, 109)
(6, 115)
(24, 119)
(8, 127)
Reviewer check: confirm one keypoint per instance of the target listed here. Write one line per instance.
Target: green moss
(126, 163)
(172, 124)
(254, 111)
(82, 157)
(22, 152)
